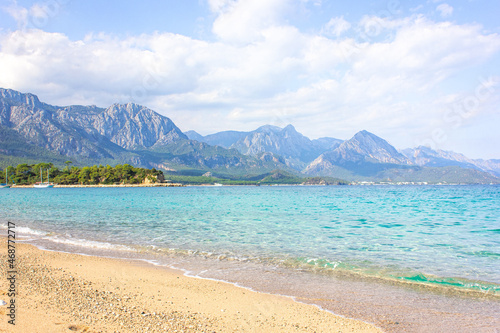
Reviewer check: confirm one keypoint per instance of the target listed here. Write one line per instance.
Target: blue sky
(412, 72)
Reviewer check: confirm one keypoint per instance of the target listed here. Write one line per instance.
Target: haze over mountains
(32, 131)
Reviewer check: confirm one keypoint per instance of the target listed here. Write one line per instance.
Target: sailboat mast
(41, 176)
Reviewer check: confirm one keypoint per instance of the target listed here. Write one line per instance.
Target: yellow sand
(59, 292)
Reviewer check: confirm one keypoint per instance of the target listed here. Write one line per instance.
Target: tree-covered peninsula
(25, 174)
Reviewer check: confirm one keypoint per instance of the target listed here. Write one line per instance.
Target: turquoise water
(436, 235)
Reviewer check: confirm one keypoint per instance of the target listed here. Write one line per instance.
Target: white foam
(89, 244)
(29, 231)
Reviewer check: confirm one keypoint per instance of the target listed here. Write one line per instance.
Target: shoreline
(105, 185)
(60, 291)
(392, 308)
(235, 185)
(381, 306)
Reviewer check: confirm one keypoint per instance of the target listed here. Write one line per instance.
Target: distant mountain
(52, 128)
(369, 157)
(85, 130)
(127, 133)
(296, 149)
(363, 149)
(324, 144)
(133, 126)
(224, 139)
(193, 135)
(425, 156)
(492, 166)
(32, 131)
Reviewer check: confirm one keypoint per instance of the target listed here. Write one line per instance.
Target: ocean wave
(25, 231)
(458, 283)
(344, 269)
(89, 243)
(32, 232)
(394, 274)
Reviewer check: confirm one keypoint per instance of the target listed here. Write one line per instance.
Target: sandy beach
(61, 292)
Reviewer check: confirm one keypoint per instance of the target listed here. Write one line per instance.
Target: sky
(412, 72)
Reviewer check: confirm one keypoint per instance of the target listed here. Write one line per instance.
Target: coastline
(102, 185)
(235, 185)
(60, 291)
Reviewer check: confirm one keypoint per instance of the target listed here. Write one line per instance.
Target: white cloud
(18, 13)
(271, 74)
(336, 26)
(243, 21)
(426, 50)
(36, 16)
(445, 10)
(217, 6)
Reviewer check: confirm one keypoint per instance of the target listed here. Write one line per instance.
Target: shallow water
(383, 243)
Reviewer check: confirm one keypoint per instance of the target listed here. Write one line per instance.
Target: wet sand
(61, 292)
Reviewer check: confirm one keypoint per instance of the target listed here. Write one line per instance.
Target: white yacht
(41, 184)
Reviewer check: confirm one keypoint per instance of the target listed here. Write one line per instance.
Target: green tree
(84, 175)
(22, 174)
(68, 163)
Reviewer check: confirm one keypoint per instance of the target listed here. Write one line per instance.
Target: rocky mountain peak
(367, 145)
(76, 130)
(193, 135)
(268, 129)
(367, 138)
(134, 126)
(19, 98)
(290, 131)
(295, 148)
(364, 148)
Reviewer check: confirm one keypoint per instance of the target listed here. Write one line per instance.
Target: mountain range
(33, 131)
(296, 149)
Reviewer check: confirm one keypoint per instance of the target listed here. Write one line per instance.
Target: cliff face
(85, 130)
(133, 126)
(47, 126)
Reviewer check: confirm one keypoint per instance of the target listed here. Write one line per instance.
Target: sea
(405, 258)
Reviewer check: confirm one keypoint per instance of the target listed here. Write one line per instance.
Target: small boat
(6, 184)
(217, 184)
(41, 184)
